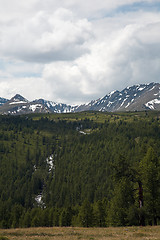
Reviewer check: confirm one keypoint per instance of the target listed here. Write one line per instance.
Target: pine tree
(120, 203)
(149, 170)
(86, 214)
(99, 214)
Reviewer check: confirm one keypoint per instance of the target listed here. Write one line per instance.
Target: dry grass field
(74, 233)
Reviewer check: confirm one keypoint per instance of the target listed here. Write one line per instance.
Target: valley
(79, 169)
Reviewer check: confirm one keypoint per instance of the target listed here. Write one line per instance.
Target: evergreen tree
(86, 214)
(66, 217)
(26, 221)
(120, 203)
(149, 170)
(16, 213)
(99, 214)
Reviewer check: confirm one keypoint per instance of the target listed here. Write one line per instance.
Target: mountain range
(135, 98)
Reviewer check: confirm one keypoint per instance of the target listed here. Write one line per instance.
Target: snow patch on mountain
(34, 107)
(134, 98)
(151, 104)
(111, 93)
(152, 88)
(127, 105)
(17, 102)
(123, 102)
(141, 88)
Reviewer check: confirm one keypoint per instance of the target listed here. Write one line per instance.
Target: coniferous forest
(84, 169)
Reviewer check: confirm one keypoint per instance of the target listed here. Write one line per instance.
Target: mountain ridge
(138, 97)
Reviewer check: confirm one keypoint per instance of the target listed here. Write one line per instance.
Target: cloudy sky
(73, 51)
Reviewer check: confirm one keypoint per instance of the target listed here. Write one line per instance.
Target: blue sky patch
(135, 7)
(145, 6)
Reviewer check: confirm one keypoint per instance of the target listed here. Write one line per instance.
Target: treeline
(87, 215)
(98, 173)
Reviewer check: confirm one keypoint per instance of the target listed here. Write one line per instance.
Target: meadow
(74, 233)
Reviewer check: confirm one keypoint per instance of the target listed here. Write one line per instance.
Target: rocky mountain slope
(3, 100)
(19, 105)
(135, 98)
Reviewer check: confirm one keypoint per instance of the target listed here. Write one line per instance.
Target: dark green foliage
(99, 213)
(149, 170)
(79, 169)
(66, 217)
(86, 214)
(121, 207)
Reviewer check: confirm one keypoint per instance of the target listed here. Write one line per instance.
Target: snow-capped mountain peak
(133, 98)
(18, 98)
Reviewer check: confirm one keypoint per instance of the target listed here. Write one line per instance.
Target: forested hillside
(83, 169)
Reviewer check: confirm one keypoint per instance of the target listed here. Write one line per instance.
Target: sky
(74, 51)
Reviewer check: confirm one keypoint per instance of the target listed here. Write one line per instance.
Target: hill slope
(81, 169)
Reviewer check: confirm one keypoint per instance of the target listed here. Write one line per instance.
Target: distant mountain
(19, 105)
(3, 100)
(56, 107)
(135, 98)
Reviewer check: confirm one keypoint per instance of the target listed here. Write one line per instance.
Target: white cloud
(130, 55)
(75, 51)
(91, 9)
(46, 37)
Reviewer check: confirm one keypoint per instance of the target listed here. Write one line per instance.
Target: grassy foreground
(73, 233)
